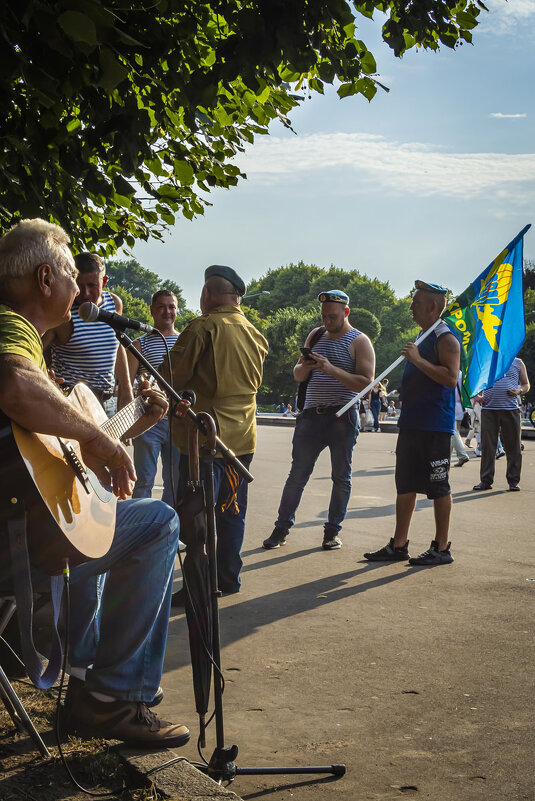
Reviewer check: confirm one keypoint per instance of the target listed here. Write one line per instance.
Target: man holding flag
(488, 321)
(426, 424)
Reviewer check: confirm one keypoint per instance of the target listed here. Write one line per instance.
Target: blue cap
(436, 288)
(226, 272)
(334, 296)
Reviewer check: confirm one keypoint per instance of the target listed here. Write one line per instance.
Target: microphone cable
(216, 668)
(76, 783)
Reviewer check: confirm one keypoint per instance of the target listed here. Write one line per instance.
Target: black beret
(228, 273)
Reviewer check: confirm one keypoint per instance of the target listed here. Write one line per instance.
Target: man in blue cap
(340, 364)
(426, 423)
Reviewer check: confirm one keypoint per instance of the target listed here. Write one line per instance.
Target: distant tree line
(136, 285)
(291, 311)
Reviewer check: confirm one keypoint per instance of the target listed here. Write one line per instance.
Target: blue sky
(430, 180)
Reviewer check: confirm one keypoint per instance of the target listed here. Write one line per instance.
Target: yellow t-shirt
(19, 337)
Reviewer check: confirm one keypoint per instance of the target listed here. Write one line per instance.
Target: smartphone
(306, 353)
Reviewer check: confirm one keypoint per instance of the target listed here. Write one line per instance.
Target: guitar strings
(117, 425)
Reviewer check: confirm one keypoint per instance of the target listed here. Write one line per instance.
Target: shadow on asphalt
(473, 495)
(292, 786)
(278, 556)
(242, 619)
(369, 471)
(374, 471)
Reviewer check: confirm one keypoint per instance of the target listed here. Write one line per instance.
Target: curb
(387, 426)
(180, 781)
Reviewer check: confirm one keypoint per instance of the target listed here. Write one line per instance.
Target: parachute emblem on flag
(493, 294)
(488, 320)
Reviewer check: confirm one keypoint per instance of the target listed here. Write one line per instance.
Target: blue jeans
(147, 449)
(375, 408)
(313, 433)
(120, 603)
(230, 528)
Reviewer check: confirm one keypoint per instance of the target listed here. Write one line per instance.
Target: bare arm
(30, 399)
(132, 362)
(56, 336)
(303, 367)
(364, 355)
(523, 381)
(446, 371)
(122, 373)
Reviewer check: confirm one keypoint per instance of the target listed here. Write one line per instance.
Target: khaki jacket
(220, 357)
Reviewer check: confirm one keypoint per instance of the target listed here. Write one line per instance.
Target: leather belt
(324, 409)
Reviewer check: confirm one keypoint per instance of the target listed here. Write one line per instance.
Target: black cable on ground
(108, 794)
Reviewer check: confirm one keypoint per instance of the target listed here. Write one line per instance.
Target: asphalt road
(419, 679)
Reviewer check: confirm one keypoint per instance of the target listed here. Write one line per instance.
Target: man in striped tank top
(156, 441)
(500, 412)
(90, 352)
(341, 363)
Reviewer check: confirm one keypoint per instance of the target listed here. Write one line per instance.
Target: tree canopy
(119, 114)
(292, 310)
(140, 282)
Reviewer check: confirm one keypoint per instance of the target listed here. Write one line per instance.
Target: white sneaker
(477, 451)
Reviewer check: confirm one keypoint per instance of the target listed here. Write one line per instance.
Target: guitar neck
(119, 424)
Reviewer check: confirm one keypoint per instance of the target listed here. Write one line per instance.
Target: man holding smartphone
(340, 364)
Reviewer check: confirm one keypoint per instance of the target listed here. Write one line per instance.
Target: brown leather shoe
(129, 721)
(74, 686)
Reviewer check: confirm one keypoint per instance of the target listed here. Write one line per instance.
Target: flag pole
(388, 370)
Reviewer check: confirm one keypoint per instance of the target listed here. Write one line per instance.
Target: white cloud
(506, 116)
(381, 164)
(506, 15)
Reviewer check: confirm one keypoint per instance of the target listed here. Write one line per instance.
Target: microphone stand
(227, 454)
(221, 766)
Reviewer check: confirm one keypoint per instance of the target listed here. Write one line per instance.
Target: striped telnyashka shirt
(324, 390)
(90, 353)
(497, 397)
(153, 349)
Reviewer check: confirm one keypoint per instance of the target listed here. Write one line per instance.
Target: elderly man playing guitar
(117, 640)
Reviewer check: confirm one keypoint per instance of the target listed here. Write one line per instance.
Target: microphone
(90, 313)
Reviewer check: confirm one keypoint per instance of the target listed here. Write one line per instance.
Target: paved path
(414, 677)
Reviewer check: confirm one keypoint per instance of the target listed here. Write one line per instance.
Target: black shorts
(423, 462)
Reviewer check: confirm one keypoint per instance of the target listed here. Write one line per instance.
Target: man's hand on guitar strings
(157, 407)
(110, 463)
(157, 400)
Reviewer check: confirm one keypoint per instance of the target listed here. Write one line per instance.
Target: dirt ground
(419, 680)
(25, 775)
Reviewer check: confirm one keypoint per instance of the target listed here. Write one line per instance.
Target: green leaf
(183, 171)
(73, 125)
(78, 26)
(347, 89)
(466, 20)
(122, 187)
(368, 64)
(367, 88)
(113, 72)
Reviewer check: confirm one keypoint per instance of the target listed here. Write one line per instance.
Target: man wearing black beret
(220, 356)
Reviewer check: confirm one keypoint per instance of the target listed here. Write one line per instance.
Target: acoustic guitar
(70, 513)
